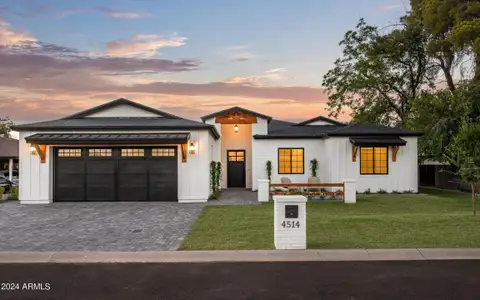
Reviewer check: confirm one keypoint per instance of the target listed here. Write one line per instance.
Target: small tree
(268, 168)
(5, 125)
(465, 153)
(314, 167)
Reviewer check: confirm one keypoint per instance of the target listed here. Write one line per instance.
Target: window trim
(303, 160)
(373, 147)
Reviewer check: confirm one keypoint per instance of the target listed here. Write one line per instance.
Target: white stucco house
(125, 151)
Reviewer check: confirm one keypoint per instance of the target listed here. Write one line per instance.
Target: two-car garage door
(116, 174)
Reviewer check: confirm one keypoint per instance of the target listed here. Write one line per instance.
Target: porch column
(350, 191)
(10, 169)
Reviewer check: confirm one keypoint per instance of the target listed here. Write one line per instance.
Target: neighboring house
(125, 151)
(8, 157)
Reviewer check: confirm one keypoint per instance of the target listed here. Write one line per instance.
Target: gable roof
(120, 101)
(320, 118)
(233, 109)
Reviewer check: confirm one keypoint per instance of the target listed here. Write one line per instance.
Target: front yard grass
(440, 219)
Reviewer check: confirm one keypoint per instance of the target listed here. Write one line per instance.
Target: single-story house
(125, 151)
(8, 156)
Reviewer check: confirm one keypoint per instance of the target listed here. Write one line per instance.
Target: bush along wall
(215, 176)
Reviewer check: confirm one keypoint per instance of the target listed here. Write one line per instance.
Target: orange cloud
(143, 45)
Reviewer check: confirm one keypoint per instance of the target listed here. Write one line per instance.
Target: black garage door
(116, 174)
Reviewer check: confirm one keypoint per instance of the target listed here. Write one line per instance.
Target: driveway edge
(241, 256)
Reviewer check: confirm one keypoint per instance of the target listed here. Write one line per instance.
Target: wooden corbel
(394, 152)
(42, 152)
(354, 153)
(184, 152)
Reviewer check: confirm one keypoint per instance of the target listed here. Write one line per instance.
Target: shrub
(2, 190)
(367, 191)
(395, 192)
(381, 191)
(14, 193)
(314, 167)
(408, 192)
(268, 168)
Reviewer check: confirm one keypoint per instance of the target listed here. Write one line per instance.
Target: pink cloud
(390, 7)
(143, 45)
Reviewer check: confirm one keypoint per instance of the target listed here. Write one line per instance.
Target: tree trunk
(473, 200)
(476, 78)
(448, 76)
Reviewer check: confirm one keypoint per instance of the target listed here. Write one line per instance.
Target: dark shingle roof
(110, 138)
(8, 147)
(120, 101)
(117, 124)
(234, 109)
(320, 118)
(319, 131)
(278, 124)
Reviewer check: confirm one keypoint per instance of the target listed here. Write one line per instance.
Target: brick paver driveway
(118, 226)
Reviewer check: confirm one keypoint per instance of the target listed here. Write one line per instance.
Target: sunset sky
(187, 57)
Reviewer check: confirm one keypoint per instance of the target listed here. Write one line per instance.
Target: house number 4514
(291, 224)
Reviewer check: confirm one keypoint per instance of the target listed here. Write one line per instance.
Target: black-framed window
(374, 160)
(291, 161)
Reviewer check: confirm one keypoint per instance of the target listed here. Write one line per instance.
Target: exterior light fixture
(235, 128)
(191, 148)
(33, 150)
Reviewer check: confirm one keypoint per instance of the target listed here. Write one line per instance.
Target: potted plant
(313, 167)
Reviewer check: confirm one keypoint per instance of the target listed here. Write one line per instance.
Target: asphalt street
(276, 280)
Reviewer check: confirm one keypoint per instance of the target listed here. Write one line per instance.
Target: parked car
(5, 174)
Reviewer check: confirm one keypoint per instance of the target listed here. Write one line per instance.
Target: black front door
(116, 174)
(236, 168)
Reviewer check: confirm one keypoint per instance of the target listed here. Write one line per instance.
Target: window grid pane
(163, 152)
(99, 152)
(133, 152)
(69, 152)
(290, 161)
(373, 160)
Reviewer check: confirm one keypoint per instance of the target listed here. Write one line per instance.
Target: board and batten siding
(37, 181)
(402, 174)
(265, 150)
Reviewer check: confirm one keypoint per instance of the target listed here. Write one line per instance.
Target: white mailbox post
(290, 222)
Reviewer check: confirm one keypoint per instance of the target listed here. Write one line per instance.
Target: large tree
(5, 124)
(440, 115)
(380, 74)
(453, 28)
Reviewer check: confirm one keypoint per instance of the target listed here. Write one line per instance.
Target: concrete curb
(241, 256)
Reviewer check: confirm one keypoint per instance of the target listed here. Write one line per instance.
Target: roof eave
(283, 137)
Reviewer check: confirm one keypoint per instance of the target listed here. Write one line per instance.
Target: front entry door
(236, 168)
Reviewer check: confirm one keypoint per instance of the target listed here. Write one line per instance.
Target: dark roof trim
(377, 141)
(284, 137)
(380, 134)
(319, 118)
(108, 138)
(120, 101)
(235, 108)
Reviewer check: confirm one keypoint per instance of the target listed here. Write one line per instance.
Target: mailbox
(291, 211)
(290, 222)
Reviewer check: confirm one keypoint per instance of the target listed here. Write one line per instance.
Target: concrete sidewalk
(241, 256)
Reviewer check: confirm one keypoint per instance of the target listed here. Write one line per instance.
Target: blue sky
(219, 53)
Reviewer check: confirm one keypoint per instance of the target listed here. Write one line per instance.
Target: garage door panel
(100, 187)
(114, 176)
(100, 166)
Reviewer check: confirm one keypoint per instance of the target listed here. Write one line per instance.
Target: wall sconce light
(235, 128)
(33, 150)
(191, 148)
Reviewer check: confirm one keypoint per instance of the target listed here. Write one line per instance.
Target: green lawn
(441, 219)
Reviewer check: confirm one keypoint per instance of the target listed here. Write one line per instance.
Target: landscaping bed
(439, 219)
